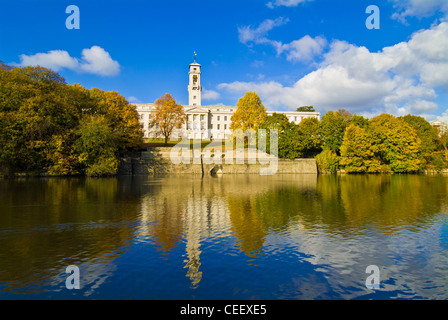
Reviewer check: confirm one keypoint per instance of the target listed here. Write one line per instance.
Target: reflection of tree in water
(48, 224)
(339, 204)
(247, 224)
(389, 202)
(267, 204)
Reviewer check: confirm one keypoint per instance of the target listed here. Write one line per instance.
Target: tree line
(47, 125)
(350, 142)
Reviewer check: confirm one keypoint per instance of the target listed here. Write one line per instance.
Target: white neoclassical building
(204, 122)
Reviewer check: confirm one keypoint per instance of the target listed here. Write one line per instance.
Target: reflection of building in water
(195, 209)
(199, 210)
(184, 209)
(205, 217)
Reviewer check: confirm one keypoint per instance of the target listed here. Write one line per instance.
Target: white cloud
(98, 61)
(418, 8)
(133, 99)
(210, 95)
(303, 49)
(54, 59)
(286, 3)
(443, 117)
(94, 60)
(257, 35)
(399, 79)
(257, 64)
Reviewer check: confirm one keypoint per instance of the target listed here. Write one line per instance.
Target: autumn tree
(35, 106)
(122, 116)
(395, 143)
(167, 115)
(357, 152)
(42, 120)
(250, 113)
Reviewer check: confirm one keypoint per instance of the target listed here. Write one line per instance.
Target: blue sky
(291, 52)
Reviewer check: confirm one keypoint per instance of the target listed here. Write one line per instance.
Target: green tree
(97, 146)
(427, 134)
(332, 129)
(309, 138)
(443, 142)
(250, 113)
(306, 109)
(277, 121)
(359, 121)
(299, 140)
(289, 144)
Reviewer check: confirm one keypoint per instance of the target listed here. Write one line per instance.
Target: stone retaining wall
(157, 161)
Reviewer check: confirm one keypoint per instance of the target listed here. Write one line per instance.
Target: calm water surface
(230, 237)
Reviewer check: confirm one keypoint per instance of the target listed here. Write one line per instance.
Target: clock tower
(194, 86)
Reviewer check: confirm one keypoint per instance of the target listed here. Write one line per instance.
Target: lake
(228, 237)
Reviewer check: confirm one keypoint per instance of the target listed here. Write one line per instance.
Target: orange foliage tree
(167, 115)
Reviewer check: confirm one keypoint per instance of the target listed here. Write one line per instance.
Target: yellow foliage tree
(395, 143)
(250, 112)
(122, 116)
(167, 115)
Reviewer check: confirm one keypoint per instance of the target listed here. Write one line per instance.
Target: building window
(219, 118)
(219, 127)
(202, 117)
(194, 97)
(225, 118)
(225, 127)
(211, 126)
